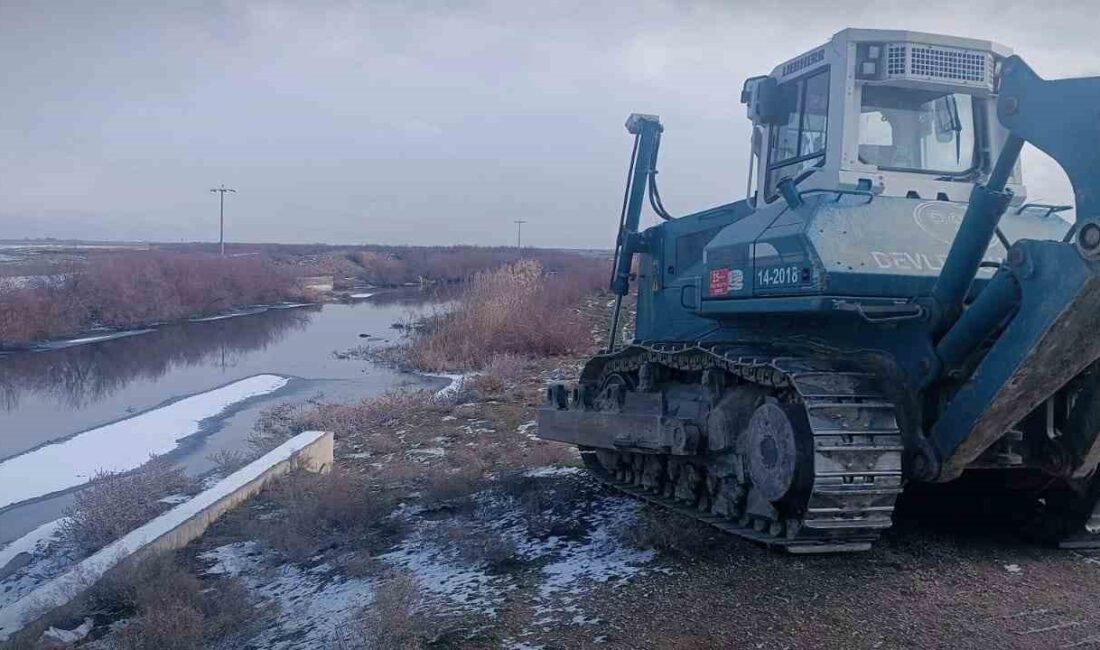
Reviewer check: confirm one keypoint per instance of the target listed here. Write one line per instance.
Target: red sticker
(719, 282)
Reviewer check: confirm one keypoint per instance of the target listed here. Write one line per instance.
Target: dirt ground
(916, 589)
(924, 585)
(513, 546)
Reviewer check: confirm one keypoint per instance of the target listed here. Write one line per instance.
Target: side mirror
(762, 97)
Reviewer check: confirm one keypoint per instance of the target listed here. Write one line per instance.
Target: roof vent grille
(935, 63)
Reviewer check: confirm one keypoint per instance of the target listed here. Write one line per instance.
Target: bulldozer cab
(897, 113)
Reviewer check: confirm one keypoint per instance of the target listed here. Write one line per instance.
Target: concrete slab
(311, 450)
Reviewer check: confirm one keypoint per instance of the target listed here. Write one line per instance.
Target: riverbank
(59, 294)
(102, 334)
(367, 416)
(447, 523)
(50, 397)
(108, 292)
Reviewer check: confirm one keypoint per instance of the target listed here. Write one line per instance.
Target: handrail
(839, 192)
(1049, 207)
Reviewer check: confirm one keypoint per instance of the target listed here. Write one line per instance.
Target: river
(189, 389)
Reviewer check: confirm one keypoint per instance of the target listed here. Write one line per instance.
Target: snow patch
(31, 542)
(63, 588)
(122, 445)
(564, 567)
(314, 603)
(46, 558)
(69, 636)
(453, 388)
(84, 340)
(545, 472)
(440, 574)
(232, 314)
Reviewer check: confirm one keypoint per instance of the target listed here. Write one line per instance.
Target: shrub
(483, 547)
(113, 504)
(326, 511)
(500, 373)
(227, 461)
(131, 288)
(171, 608)
(515, 310)
(395, 620)
(396, 265)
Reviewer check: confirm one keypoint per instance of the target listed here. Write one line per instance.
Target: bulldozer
(884, 312)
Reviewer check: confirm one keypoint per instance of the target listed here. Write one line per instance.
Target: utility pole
(221, 190)
(519, 232)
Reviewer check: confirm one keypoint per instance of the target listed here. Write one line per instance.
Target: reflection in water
(83, 374)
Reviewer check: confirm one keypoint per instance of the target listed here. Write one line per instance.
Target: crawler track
(857, 450)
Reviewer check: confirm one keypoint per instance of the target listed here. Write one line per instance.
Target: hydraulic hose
(655, 194)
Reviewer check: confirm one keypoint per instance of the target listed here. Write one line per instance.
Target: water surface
(52, 395)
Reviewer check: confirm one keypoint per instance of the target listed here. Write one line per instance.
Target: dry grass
(500, 375)
(546, 511)
(169, 608)
(396, 265)
(552, 454)
(227, 461)
(517, 309)
(316, 512)
(131, 288)
(486, 548)
(396, 620)
(281, 422)
(112, 505)
(453, 489)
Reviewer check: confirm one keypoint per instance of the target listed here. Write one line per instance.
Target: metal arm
(647, 130)
(1036, 318)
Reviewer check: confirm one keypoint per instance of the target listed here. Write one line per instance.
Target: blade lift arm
(1041, 300)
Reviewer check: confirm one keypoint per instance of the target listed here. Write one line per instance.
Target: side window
(798, 143)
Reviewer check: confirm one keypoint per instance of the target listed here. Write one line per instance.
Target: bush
(113, 504)
(172, 609)
(395, 620)
(319, 511)
(227, 461)
(397, 265)
(486, 548)
(283, 421)
(132, 288)
(502, 372)
(515, 310)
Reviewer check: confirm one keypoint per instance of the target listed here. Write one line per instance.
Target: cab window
(925, 131)
(798, 141)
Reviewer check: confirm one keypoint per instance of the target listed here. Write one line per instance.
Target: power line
(221, 190)
(519, 232)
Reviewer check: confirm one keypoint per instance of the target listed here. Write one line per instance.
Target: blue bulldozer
(884, 311)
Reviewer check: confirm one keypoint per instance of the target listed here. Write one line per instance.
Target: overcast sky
(416, 122)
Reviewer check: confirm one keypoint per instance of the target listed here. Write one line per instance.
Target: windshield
(917, 130)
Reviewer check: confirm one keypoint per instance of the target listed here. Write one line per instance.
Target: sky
(417, 122)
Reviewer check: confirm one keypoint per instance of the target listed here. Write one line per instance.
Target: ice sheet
(121, 445)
